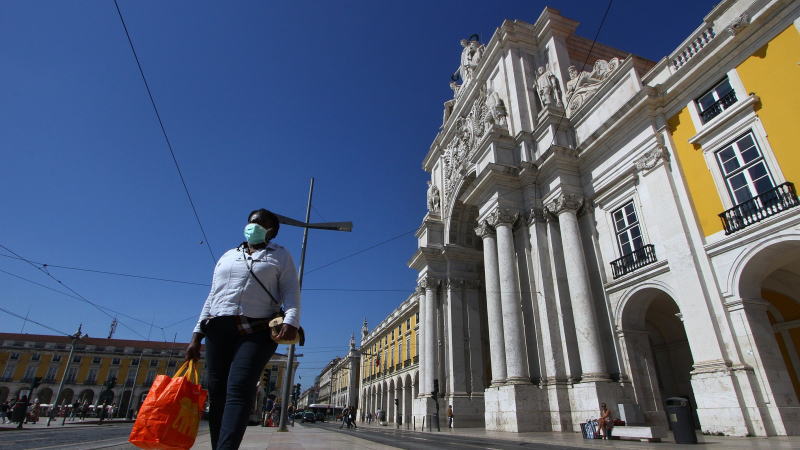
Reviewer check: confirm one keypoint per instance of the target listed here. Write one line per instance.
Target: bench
(636, 433)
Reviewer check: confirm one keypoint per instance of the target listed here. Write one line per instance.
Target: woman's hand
(193, 350)
(288, 333)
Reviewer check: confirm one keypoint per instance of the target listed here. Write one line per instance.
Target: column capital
(502, 216)
(564, 202)
(427, 282)
(534, 215)
(484, 230)
(454, 283)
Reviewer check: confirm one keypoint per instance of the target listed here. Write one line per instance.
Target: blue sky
(257, 97)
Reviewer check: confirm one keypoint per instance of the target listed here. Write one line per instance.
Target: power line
(80, 297)
(71, 296)
(105, 272)
(28, 319)
(164, 132)
(378, 244)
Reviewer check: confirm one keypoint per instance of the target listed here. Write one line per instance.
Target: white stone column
(516, 368)
(429, 284)
(494, 311)
(456, 339)
(593, 367)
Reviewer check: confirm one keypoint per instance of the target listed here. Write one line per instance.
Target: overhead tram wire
(119, 274)
(28, 319)
(164, 132)
(67, 294)
(81, 297)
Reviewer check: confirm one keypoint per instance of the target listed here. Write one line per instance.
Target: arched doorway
(765, 315)
(390, 408)
(65, 396)
(44, 395)
(86, 395)
(408, 395)
(658, 358)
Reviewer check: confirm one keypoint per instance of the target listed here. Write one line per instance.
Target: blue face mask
(255, 233)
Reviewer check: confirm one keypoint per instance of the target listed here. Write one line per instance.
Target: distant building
(95, 361)
(390, 363)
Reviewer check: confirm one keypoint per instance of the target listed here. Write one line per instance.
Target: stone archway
(390, 408)
(44, 395)
(765, 316)
(657, 353)
(408, 396)
(86, 395)
(66, 396)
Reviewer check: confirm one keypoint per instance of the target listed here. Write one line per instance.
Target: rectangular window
(626, 225)
(745, 171)
(76, 359)
(171, 363)
(115, 361)
(35, 357)
(408, 347)
(71, 374)
(135, 362)
(92, 377)
(56, 358)
(96, 360)
(30, 372)
(51, 373)
(15, 356)
(153, 363)
(9, 372)
(151, 375)
(716, 100)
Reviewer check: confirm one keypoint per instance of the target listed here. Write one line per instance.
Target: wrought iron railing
(718, 106)
(758, 208)
(634, 260)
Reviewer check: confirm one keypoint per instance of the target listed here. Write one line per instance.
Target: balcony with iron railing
(760, 207)
(718, 106)
(634, 260)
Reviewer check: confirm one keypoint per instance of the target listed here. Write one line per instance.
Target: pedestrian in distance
(450, 416)
(353, 417)
(250, 286)
(345, 419)
(20, 411)
(4, 408)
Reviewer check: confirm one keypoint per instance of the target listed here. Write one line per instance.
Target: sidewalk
(56, 424)
(576, 439)
(298, 437)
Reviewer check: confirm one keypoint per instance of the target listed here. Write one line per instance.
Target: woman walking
(251, 284)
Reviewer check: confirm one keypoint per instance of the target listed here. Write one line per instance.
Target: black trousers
(234, 363)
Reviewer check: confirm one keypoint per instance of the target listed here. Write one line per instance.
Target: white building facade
(560, 264)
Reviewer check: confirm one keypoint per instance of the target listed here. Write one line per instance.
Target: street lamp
(75, 337)
(334, 226)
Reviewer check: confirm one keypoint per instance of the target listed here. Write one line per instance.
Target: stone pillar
(516, 367)
(593, 367)
(429, 284)
(760, 351)
(456, 339)
(494, 311)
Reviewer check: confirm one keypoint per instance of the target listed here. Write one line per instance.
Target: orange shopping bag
(170, 414)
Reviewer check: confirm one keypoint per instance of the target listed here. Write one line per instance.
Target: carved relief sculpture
(434, 201)
(484, 229)
(547, 88)
(582, 85)
(470, 56)
(497, 110)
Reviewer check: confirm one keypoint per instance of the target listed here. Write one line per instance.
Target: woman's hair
(267, 219)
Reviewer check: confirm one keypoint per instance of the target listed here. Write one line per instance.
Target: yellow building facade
(389, 378)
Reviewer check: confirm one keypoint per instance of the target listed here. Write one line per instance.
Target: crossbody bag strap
(250, 268)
